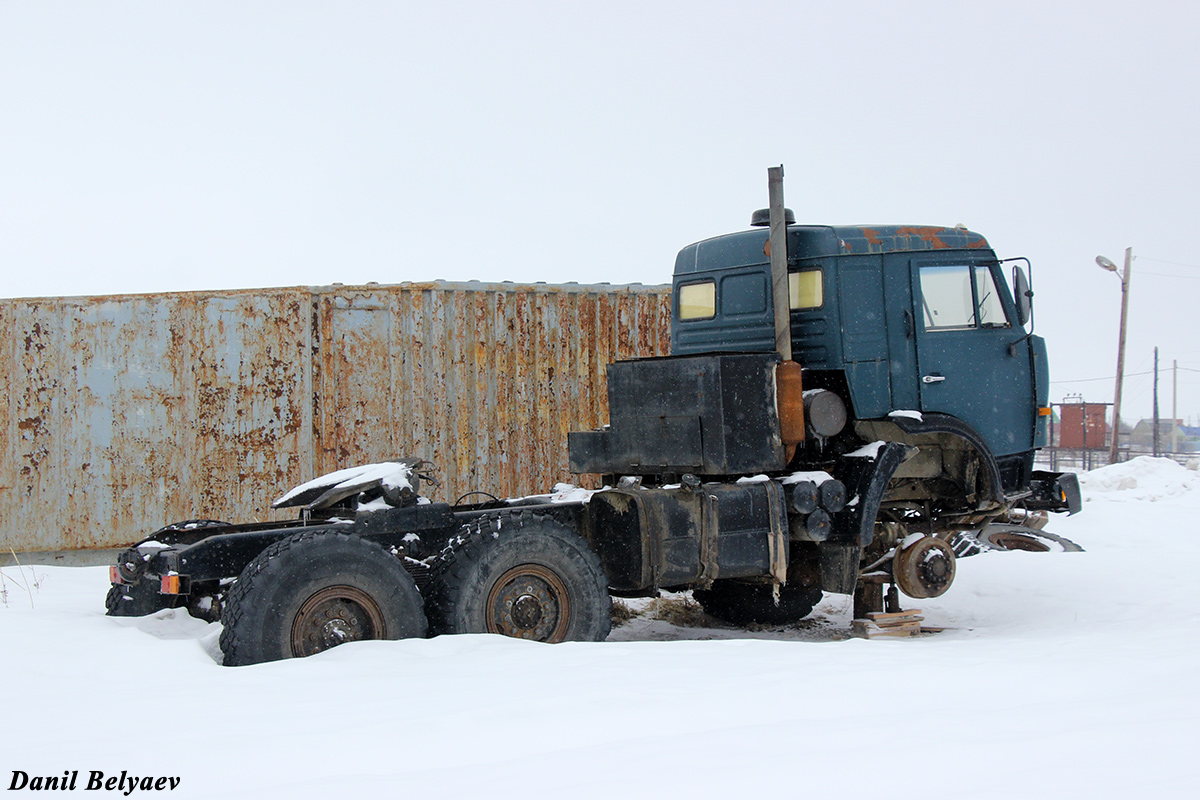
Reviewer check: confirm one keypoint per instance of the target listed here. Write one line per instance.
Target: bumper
(1055, 491)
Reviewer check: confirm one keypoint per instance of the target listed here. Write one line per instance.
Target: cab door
(968, 366)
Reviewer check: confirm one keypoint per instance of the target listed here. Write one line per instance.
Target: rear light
(170, 584)
(114, 575)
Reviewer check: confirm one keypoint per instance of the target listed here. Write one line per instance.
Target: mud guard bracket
(866, 477)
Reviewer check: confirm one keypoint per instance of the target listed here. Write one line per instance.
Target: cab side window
(806, 289)
(991, 310)
(946, 300)
(698, 300)
(959, 296)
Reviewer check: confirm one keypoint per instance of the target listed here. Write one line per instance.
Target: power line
(1164, 261)
(1167, 275)
(1110, 378)
(1161, 371)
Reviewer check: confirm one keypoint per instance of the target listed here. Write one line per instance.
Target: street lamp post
(1124, 276)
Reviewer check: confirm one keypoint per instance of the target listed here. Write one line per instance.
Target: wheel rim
(924, 569)
(333, 616)
(529, 602)
(1017, 541)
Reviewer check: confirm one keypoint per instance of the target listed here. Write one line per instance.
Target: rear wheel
(745, 603)
(529, 579)
(314, 591)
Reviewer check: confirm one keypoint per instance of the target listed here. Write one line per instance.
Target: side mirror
(1023, 296)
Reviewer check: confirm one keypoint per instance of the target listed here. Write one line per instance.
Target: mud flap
(1054, 491)
(838, 564)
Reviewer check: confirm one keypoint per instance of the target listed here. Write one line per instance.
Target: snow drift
(1059, 675)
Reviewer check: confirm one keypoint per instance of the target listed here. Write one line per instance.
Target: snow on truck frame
(899, 437)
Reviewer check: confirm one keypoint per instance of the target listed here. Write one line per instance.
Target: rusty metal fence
(125, 413)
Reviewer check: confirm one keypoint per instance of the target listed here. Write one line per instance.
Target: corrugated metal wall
(124, 413)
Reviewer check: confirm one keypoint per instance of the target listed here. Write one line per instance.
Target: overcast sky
(162, 146)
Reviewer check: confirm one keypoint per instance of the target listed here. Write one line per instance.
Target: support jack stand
(878, 614)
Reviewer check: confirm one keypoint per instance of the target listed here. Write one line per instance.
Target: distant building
(1142, 436)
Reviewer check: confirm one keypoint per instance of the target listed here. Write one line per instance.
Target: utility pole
(1087, 454)
(1174, 406)
(1053, 443)
(1124, 275)
(1155, 402)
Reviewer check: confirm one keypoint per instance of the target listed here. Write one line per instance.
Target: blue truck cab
(920, 331)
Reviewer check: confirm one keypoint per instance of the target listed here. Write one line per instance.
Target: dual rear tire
(740, 603)
(529, 579)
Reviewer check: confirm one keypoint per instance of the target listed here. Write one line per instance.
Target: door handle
(933, 379)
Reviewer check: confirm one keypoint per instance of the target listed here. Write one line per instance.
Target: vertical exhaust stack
(777, 250)
(789, 389)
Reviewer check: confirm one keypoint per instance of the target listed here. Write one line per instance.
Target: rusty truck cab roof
(816, 241)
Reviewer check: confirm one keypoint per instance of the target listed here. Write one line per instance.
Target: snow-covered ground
(1061, 675)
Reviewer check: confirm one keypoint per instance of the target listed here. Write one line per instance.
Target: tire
(525, 578)
(136, 600)
(965, 544)
(314, 591)
(754, 603)
(1018, 537)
